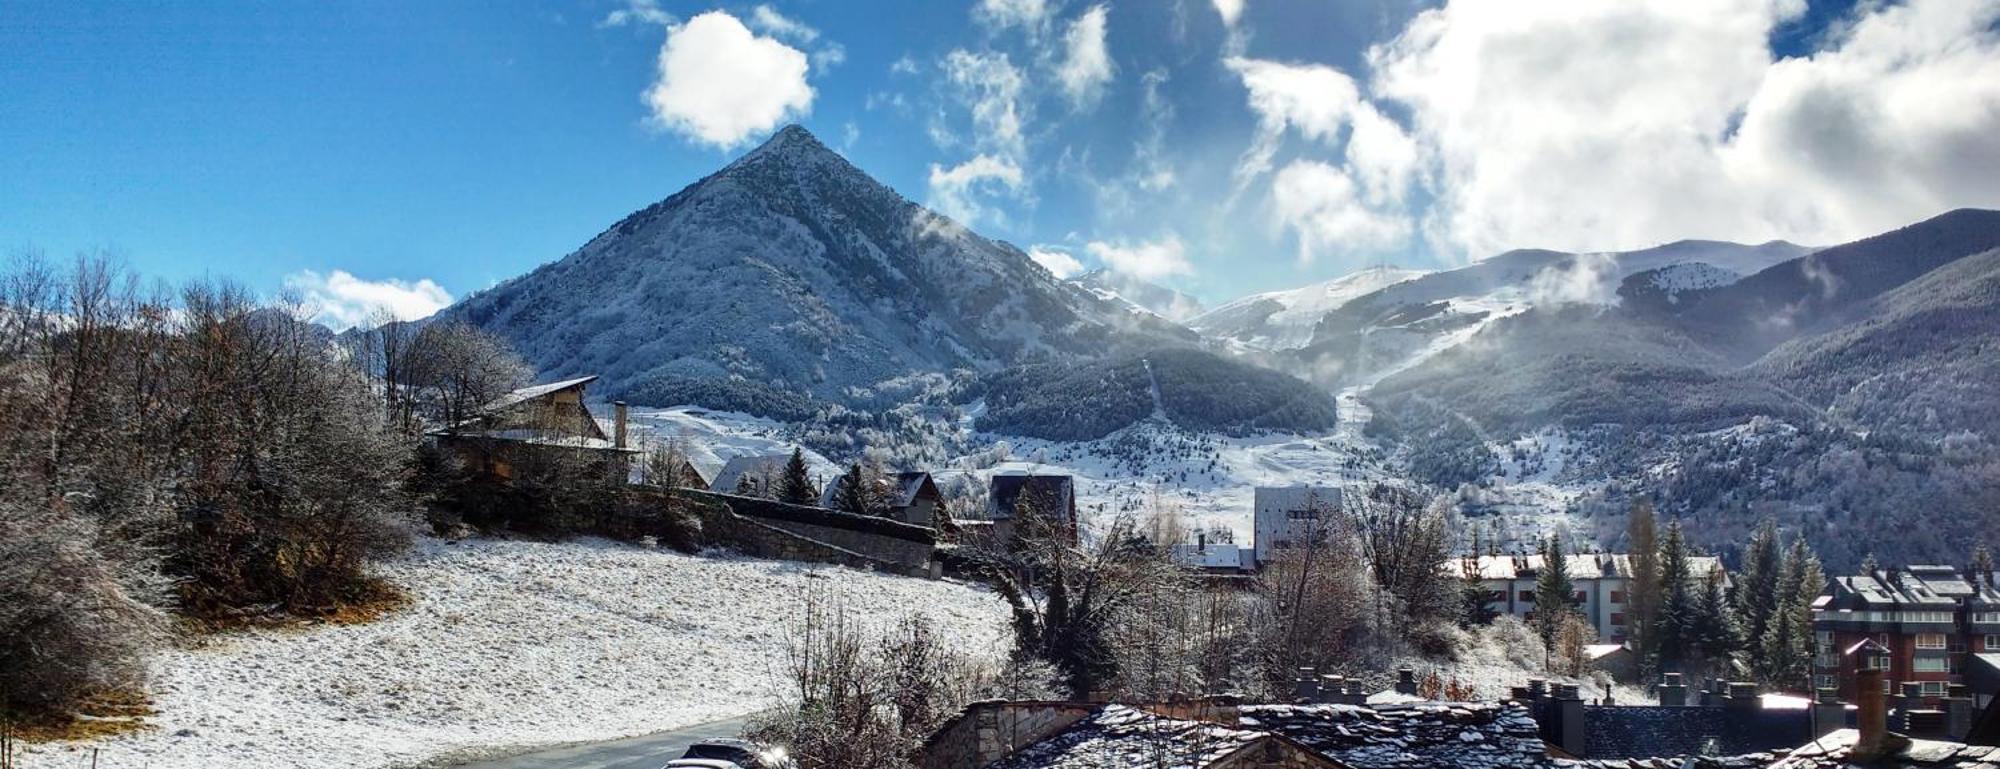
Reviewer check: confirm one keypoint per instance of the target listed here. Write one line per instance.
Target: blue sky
(1218, 147)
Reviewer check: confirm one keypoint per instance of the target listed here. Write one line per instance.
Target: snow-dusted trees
(435, 374)
(196, 442)
(1555, 592)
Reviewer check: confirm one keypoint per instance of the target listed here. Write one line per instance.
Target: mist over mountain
(1140, 294)
(792, 271)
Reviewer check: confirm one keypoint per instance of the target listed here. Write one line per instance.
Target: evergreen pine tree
(744, 487)
(1555, 594)
(1808, 580)
(1757, 593)
(795, 486)
(1673, 625)
(853, 496)
(1473, 610)
(1868, 564)
(1776, 658)
(1642, 597)
(1715, 633)
(1982, 564)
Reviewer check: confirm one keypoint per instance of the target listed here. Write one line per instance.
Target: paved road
(647, 752)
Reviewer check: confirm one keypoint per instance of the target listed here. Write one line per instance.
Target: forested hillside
(1197, 390)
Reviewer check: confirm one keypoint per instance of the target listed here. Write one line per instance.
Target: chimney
(1406, 681)
(1742, 696)
(1332, 689)
(1957, 712)
(1570, 728)
(1356, 695)
(1305, 688)
(1871, 715)
(1909, 696)
(1673, 693)
(618, 411)
(1537, 688)
(1829, 714)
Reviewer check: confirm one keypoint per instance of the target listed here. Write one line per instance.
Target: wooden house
(912, 497)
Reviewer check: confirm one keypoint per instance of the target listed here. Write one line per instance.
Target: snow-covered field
(508, 645)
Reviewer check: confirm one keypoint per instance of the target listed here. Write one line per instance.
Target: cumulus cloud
(722, 85)
(1323, 208)
(1229, 10)
(957, 191)
(990, 86)
(1313, 99)
(1086, 67)
(638, 12)
(1665, 119)
(342, 301)
(1150, 260)
(769, 21)
(1057, 261)
(1001, 14)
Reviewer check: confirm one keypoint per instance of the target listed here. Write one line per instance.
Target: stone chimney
(1305, 688)
(1957, 712)
(1406, 681)
(618, 414)
(1538, 688)
(1871, 715)
(1909, 696)
(1742, 696)
(1673, 693)
(1332, 689)
(1571, 730)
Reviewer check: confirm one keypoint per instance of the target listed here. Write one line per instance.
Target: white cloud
(1153, 171)
(1313, 99)
(990, 86)
(1230, 10)
(903, 65)
(1381, 155)
(956, 191)
(1001, 14)
(1149, 260)
(341, 300)
(769, 21)
(1057, 261)
(1323, 209)
(1619, 125)
(721, 85)
(638, 12)
(1086, 67)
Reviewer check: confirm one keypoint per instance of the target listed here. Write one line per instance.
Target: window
(1926, 616)
(1617, 596)
(1617, 618)
(1992, 642)
(1880, 662)
(1528, 596)
(1824, 637)
(1496, 596)
(1825, 682)
(1888, 686)
(1930, 640)
(1929, 665)
(1579, 596)
(1303, 514)
(1933, 688)
(1992, 617)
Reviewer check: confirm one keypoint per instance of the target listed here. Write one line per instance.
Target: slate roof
(1121, 736)
(725, 479)
(908, 486)
(1467, 735)
(1829, 752)
(1007, 489)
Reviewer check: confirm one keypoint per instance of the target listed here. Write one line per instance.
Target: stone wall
(863, 546)
(910, 548)
(989, 731)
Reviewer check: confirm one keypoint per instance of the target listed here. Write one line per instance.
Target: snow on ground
(510, 645)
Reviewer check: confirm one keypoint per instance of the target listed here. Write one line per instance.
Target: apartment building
(1602, 581)
(1928, 619)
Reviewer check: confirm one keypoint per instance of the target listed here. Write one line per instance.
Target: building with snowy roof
(540, 423)
(911, 497)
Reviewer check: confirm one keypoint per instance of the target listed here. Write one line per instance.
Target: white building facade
(1289, 516)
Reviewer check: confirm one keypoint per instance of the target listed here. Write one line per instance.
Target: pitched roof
(737, 467)
(532, 392)
(1409, 736)
(1007, 490)
(908, 486)
(1119, 736)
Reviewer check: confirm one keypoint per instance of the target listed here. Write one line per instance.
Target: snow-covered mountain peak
(1280, 320)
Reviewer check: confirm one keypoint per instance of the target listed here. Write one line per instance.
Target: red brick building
(1929, 618)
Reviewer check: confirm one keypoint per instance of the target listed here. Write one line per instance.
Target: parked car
(732, 754)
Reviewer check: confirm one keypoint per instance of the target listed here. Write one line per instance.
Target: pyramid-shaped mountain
(792, 268)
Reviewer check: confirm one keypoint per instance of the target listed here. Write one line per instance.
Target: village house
(1011, 495)
(912, 497)
(1288, 517)
(754, 475)
(541, 423)
(1602, 582)
(1214, 552)
(1932, 622)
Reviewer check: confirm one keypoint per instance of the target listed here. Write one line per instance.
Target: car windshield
(724, 752)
